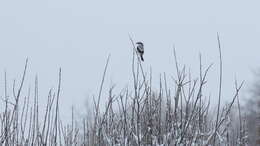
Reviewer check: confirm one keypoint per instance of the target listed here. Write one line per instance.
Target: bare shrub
(137, 116)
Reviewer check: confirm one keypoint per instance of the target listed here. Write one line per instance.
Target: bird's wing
(140, 48)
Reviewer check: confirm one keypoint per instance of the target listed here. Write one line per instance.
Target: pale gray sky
(79, 34)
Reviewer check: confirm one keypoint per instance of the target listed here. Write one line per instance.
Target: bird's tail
(142, 58)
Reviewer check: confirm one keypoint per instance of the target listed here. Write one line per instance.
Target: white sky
(77, 35)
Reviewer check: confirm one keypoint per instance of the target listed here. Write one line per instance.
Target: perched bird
(140, 49)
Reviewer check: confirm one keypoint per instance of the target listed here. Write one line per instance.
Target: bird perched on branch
(140, 49)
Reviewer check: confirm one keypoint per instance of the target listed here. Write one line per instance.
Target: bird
(140, 49)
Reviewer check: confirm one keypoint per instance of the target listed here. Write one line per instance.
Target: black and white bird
(140, 49)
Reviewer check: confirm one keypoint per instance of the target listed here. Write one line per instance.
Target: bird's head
(140, 43)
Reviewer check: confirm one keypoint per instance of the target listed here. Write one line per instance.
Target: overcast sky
(78, 35)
